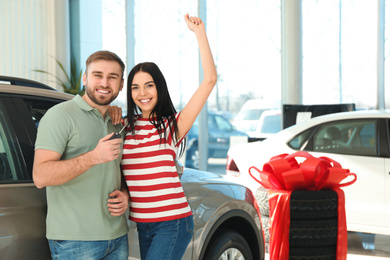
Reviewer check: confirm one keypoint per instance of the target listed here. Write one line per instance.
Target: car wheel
(193, 158)
(228, 244)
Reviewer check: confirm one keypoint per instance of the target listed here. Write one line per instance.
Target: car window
(367, 136)
(222, 123)
(355, 137)
(38, 108)
(298, 141)
(212, 124)
(10, 157)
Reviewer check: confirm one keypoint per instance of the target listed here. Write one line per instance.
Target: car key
(117, 134)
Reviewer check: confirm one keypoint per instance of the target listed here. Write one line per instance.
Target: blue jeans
(116, 249)
(166, 240)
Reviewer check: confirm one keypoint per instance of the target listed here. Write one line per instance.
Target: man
(80, 166)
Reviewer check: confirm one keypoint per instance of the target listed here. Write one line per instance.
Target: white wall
(33, 34)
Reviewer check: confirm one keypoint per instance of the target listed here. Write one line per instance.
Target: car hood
(196, 176)
(213, 190)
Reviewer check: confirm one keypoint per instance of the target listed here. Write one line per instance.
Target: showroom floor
(369, 245)
(365, 247)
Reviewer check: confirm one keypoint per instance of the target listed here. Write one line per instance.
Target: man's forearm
(50, 170)
(58, 172)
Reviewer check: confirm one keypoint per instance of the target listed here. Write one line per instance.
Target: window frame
(23, 129)
(309, 147)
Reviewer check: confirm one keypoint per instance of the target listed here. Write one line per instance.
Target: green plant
(73, 81)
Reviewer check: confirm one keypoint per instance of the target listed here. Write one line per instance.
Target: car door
(355, 145)
(385, 149)
(220, 131)
(22, 205)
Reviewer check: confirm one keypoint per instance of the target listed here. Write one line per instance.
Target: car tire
(228, 244)
(313, 233)
(304, 204)
(317, 253)
(311, 212)
(265, 227)
(310, 204)
(261, 196)
(193, 158)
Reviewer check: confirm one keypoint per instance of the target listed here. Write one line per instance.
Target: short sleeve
(53, 131)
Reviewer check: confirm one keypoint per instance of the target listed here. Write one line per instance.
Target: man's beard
(97, 101)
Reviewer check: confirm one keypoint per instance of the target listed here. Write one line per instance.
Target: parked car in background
(270, 123)
(358, 140)
(227, 224)
(219, 131)
(248, 117)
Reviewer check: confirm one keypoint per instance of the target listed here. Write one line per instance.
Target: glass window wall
(340, 50)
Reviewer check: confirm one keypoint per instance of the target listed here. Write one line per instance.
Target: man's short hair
(104, 55)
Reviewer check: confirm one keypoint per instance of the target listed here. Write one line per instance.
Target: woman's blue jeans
(166, 240)
(116, 249)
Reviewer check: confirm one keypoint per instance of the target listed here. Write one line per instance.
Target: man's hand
(107, 150)
(118, 204)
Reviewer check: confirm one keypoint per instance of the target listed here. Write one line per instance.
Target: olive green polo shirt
(77, 210)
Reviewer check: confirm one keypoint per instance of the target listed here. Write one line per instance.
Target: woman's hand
(115, 113)
(194, 23)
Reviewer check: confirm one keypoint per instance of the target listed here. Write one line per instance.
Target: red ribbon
(283, 172)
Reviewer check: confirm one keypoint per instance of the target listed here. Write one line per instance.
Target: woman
(154, 133)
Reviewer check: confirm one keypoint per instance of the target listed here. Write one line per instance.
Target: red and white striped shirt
(149, 168)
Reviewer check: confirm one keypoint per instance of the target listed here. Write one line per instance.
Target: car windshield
(222, 124)
(250, 114)
(271, 124)
(215, 122)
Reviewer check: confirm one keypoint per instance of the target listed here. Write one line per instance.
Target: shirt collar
(82, 103)
(85, 106)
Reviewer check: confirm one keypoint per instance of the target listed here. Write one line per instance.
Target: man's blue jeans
(116, 249)
(166, 240)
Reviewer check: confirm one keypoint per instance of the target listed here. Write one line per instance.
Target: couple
(91, 181)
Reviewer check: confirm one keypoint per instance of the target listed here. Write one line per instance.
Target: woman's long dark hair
(164, 108)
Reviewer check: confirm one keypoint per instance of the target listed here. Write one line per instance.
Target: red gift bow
(283, 172)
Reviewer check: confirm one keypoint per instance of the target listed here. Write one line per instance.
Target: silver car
(227, 223)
